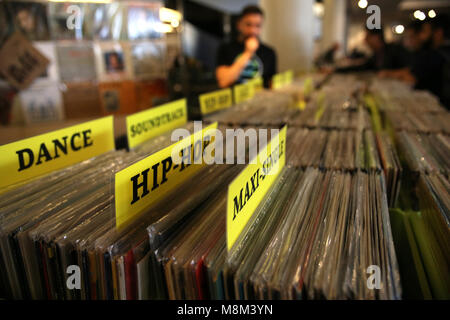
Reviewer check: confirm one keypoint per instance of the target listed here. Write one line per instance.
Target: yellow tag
(277, 81)
(321, 105)
(249, 188)
(288, 77)
(308, 86)
(216, 100)
(243, 92)
(32, 157)
(147, 124)
(147, 181)
(301, 104)
(258, 84)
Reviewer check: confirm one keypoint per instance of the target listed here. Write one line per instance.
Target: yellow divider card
(308, 86)
(322, 106)
(147, 181)
(288, 77)
(32, 157)
(150, 123)
(249, 188)
(258, 84)
(301, 104)
(277, 81)
(216, 100)
(243, 92)
(282, 79)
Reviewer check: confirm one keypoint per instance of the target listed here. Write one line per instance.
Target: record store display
(78, 60)
(48, 49)
(354, 198)
(41, 102)
(110, 61)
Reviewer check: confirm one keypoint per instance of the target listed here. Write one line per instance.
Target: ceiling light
(362, 4)
(419, 15)
(398, 29)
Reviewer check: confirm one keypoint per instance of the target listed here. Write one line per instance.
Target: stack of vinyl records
(435, 215)
(265, 108)
(322, 230)
(301, 88)
(293, 248)
(24, 209)
(425, 153)
(396, 96)
(419, 121)
(422, 240)
(421, 224)
(391, 166)
(308, 239)
(345, 119)
(409, 110)
(334, 149)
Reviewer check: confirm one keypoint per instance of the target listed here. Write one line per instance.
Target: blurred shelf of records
(104, 58)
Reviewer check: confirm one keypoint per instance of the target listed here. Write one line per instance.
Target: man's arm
(227, 75)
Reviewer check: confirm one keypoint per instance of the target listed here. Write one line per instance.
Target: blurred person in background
(246, 57)
(327, 57)
(414, 40)
(430, 65)
(384, 55)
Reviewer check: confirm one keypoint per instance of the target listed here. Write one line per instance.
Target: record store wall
(105, 58)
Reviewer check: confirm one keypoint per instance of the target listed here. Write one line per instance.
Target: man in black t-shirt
(246, 57)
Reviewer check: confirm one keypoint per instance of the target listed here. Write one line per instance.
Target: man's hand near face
(227, 75)
(251, 45)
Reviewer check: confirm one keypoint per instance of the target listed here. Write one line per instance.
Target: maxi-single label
(249, 188)
(216, 100)
(153, 122)
(243, 92)
(32, 157)
(140, 185)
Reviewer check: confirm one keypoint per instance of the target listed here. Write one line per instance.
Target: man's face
(250, 25)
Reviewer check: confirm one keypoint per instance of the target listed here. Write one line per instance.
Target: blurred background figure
(384, 55)
(328, 57)
(429, 64)
(246, 57)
